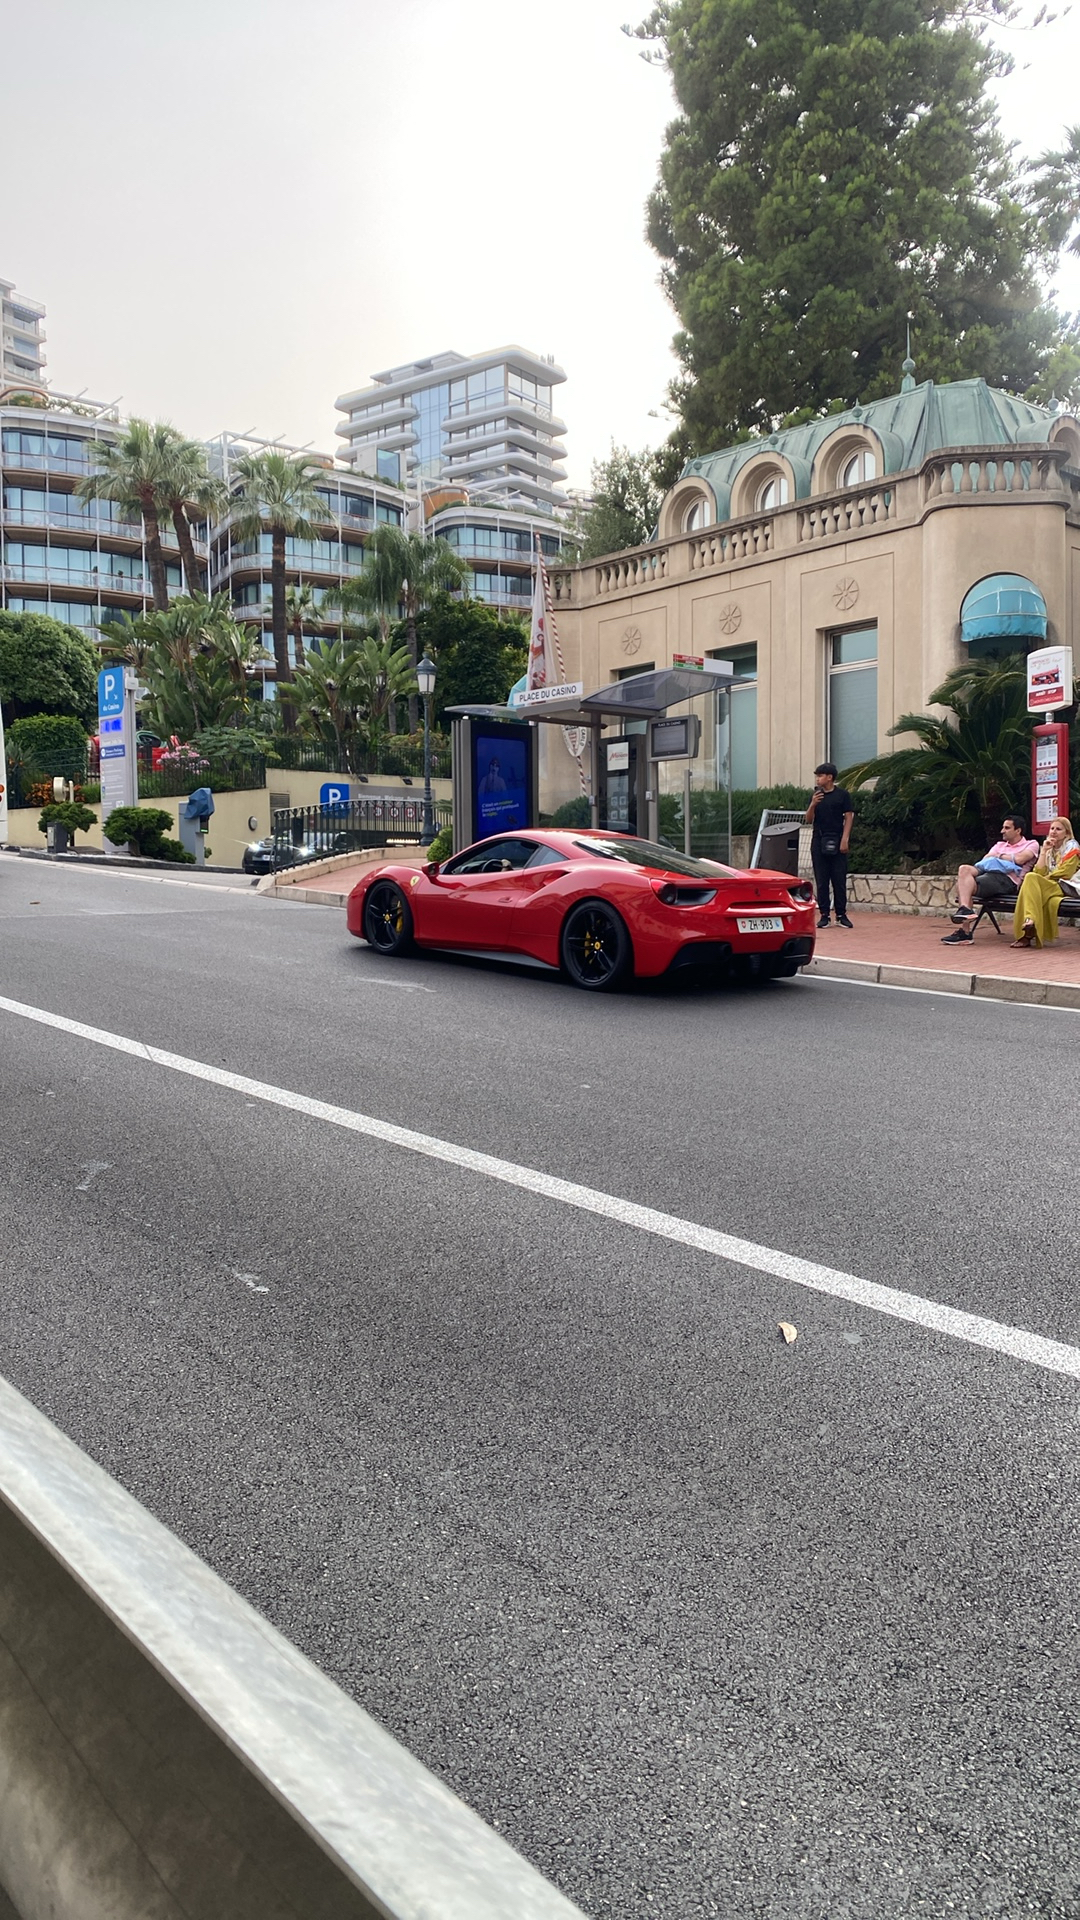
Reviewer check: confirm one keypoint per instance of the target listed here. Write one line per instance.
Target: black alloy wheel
(388, 922)
(596, 950)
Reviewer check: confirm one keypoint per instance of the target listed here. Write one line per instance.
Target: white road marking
(91, 1168)
(996, 1336)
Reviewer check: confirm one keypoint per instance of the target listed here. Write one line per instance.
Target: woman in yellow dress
(1035, 921)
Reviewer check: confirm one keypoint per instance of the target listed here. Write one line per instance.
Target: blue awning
(1004, 606)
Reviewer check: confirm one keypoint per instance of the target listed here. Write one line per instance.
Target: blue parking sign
(334, 793)
(110, 691)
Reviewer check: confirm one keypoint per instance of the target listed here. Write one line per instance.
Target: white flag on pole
(543, 670)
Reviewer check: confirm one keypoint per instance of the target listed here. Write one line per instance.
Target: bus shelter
(496, 750)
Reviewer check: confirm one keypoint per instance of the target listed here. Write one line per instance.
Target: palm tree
(402, 571)
(194, 660)
(301, 605)
(132, 473)
(347, 689)
(189, 484)
(277, 493)
(974, 759)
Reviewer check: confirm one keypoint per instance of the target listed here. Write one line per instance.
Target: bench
(1006, 903)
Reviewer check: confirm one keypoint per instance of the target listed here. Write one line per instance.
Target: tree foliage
(195, 661)
(47, 744)
(402, 571)
(346, 688)
(478, 656)
(836, 166)
(278, 494)
(625, 502)
(46, 667)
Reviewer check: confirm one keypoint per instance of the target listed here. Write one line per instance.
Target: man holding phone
(830, 813)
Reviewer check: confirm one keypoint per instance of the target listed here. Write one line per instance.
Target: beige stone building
(843, 567)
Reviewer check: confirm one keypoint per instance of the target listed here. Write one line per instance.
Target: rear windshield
(648, 853)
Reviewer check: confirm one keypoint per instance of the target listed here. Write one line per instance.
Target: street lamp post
(425, 680)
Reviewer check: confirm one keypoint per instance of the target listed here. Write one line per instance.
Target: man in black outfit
(830, 813)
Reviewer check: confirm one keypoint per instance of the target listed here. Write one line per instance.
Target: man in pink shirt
(997, 875)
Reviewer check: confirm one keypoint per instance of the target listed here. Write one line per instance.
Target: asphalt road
(704, 1623)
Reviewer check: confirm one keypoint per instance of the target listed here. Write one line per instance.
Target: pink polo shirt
(1023, 853)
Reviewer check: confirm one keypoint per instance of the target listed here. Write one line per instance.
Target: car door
(541, 904)
(472, 898)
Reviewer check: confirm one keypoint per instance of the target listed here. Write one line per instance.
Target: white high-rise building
(483, 423)
(22, 335)
(475, 443)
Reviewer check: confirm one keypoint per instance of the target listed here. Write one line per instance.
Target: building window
(388, 466)
(738, 728)
(852, 701)
(694, 519)
(861, 466)
(772, 493)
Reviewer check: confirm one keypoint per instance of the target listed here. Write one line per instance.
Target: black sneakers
(957, 939)
(843, 921)
(824, 921)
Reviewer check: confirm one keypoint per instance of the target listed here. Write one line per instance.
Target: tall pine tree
(837, 165)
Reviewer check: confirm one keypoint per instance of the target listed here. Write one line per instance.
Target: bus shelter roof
(642, 696)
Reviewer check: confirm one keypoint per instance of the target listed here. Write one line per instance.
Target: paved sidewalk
(328, 883)
(899, 949)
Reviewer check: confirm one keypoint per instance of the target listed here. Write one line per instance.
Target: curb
(313, 897)
(119, 862)
(979, 986)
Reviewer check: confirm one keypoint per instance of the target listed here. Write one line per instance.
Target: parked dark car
(259, 854)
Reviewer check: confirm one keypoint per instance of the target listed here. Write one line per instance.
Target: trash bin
(779, 850)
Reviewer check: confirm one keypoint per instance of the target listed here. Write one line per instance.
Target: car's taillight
(674, 896)
(804, 892)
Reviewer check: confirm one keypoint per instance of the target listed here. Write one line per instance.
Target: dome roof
(924, 420)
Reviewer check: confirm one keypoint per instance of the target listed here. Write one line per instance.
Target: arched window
(695, 517)
(772, 492)
(861, 466)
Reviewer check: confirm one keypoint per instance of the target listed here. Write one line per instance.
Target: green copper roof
(926, 419)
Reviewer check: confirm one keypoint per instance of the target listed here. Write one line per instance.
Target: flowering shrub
(182, 759)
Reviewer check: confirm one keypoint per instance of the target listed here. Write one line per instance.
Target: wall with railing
(955, 478)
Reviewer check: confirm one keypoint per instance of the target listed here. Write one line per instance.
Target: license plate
(761, 923)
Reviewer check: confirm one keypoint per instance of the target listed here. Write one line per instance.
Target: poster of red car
(1049, 679)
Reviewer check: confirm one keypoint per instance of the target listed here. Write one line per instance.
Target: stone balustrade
(982, 471)
(952, 477)
(846, 513)
(717, 546)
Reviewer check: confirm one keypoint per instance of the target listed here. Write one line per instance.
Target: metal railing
(291, 755)
(346, 826)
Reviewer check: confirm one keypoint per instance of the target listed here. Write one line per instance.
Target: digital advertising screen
(501, 779)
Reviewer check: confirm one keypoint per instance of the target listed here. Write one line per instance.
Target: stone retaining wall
(903, 892)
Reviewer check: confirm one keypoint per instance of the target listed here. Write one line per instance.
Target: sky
(236, 210)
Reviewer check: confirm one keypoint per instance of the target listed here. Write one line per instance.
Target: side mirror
(431, 869)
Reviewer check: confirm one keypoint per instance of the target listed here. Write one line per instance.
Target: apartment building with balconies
(22, 342)
(240, 562)
(476, 442)
(485, 423)
(80, 561)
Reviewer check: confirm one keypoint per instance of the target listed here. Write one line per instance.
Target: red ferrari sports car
(600, 906)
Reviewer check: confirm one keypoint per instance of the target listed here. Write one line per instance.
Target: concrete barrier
(166, 1755)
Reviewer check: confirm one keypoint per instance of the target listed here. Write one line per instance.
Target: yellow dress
(1040, 898)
